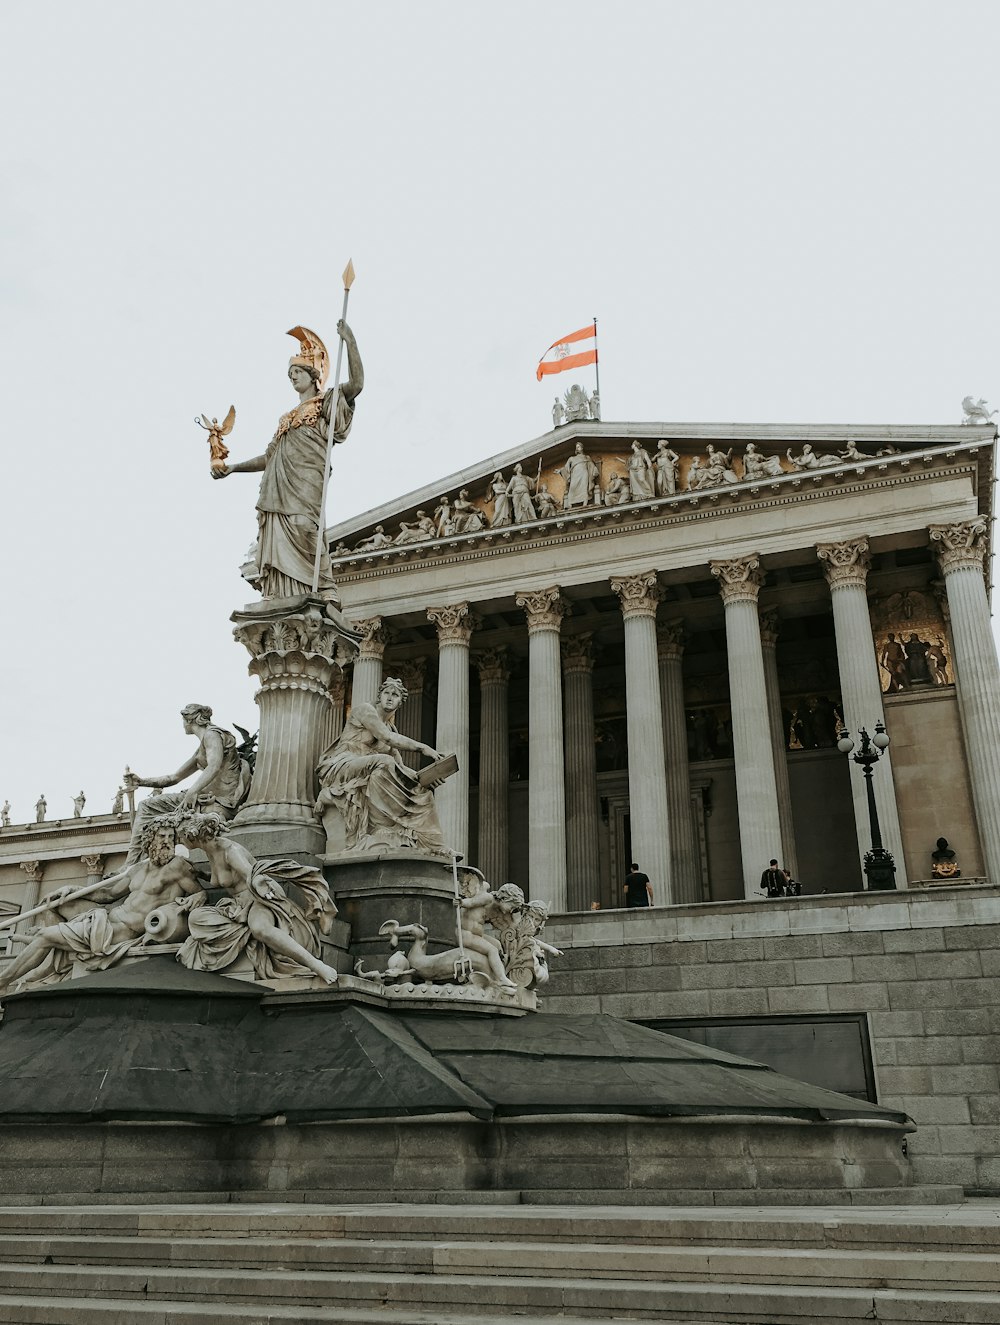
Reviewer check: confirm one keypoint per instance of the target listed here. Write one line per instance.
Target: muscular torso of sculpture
(363, 776)
(102, 936)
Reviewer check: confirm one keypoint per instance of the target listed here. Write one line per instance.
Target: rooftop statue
(810, 460)
(580, 473)
(293, 469)
(975, 411)
(757, 466)
(221, 787)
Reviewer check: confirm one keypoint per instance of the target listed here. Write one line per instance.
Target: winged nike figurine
(216, 431)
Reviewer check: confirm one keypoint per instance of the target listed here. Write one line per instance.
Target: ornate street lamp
(880, 868)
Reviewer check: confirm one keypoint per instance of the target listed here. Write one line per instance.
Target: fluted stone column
(455, 625)
(769, 642)
(685, 864)
(410, 718)
(338, 694)
(293, 654)
(545, 609)
(756, 792)
(582, 809)
(647, 773)
(93, 867)
(33, 871)
(846, 567)
(494, 764)
(961, 549)
(367, 680)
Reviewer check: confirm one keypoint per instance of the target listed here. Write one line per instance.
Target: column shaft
(546, 768)
(685, 862)
(367, 678)
(961, 549)
(582, 810)
(410, 720)
(756, 792)
(647, 773)
(494, 765)
(455, 625)
(846, 565)
(769, 640)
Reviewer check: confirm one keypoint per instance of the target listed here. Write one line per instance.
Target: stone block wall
(923, 964)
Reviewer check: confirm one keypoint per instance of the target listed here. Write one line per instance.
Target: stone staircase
(254, 1264)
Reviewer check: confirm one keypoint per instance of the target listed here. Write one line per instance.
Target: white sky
(777, 211)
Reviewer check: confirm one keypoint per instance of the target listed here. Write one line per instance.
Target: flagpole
(597, 367)
(321, 532)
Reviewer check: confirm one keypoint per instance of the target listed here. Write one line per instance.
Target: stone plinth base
(305, 842)
(407, 886)
(417, 997)
(604, 1160)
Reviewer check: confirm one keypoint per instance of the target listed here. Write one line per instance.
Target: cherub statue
(216, 431)
(976, 411)
(474, 909)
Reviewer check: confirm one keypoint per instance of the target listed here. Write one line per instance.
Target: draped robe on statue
(291, 491)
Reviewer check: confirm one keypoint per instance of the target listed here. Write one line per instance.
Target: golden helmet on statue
(312, 355)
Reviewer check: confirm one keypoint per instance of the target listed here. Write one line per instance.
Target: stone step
(966, 1228)
(929, 1194)
(113, 1311)
(558, 1303)
(747, 1265)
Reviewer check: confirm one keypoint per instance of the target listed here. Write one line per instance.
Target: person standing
(772, 881)
(638, 889)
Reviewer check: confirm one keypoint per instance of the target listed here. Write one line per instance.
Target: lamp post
(880, 868)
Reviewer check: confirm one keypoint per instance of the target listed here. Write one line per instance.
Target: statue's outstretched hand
(224, 472)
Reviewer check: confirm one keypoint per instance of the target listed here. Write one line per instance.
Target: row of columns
(562, 831)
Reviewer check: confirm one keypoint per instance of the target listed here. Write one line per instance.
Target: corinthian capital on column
(412, 672)
(33, 870)
(740, 579)
(374, 638)
(577, 653)
(639, 595)
(93, 865)
(670, 639)
(544, 608)
(960, 546)
(845, 564)
(455, 624)
(338, 685)
(494, 667)
(769, 628)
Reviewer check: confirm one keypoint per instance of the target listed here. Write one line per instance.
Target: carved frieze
(911, 641)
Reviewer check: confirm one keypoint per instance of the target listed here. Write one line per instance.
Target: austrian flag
(560, 355)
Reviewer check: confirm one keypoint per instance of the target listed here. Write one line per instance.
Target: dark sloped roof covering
(154, 1041)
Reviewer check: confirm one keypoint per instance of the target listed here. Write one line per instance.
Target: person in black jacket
(772, 881)
(638, 889)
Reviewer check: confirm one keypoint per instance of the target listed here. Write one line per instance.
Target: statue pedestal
(372, 887)
(293, 646)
